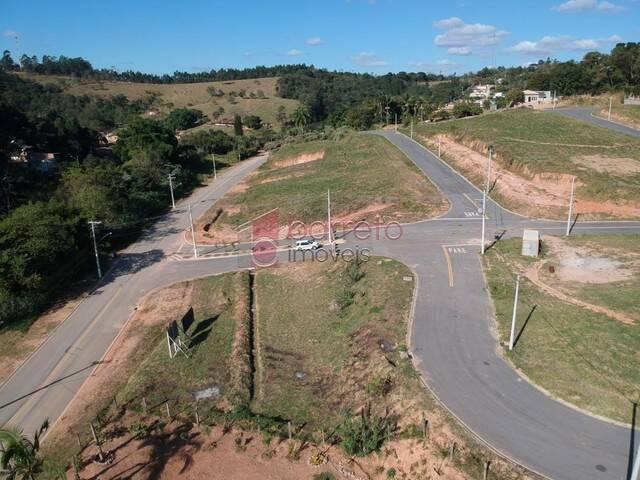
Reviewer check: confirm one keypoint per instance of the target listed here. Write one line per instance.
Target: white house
(482, 91)
(537, 97)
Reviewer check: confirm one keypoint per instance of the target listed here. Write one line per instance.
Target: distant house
(481, 92)
(537, 97)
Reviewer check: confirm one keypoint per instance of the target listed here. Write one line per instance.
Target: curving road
(586, 114)
(451, 337)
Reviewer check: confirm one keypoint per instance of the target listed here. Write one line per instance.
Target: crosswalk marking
(459, 250)
(471, 214)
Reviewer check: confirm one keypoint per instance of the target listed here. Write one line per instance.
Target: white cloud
(462, 38)
(573, 6)
(550, 45)
(294, 52)
(609, 7)
(314, 41)
(10, 33)
(459, 51)
(368, 59)
(448, 23)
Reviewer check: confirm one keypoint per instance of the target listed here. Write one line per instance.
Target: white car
(307, 245)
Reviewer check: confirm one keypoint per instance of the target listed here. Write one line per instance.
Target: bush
(365, 434)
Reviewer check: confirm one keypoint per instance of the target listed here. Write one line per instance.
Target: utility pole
(396, 116)
(484, 207)
(329, 217)
(573, 184)
(193, 234)
(610, 105)
(489, 168)
(412, 129)
(439, 143)
(95, 245)
(213, 159)
(173, 200)
(513, 317)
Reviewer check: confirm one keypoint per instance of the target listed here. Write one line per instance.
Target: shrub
(365, 434)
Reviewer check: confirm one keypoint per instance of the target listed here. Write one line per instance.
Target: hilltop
(235, 97)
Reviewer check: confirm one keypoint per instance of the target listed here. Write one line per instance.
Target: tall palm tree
(301, 117)
(19, 455)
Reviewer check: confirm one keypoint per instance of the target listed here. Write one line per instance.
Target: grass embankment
(218, 354)
(366, 174)
(190, 95)
(529, 143)
(626, 114)
(582, 356)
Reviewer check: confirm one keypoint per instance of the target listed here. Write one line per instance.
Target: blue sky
(354, 35)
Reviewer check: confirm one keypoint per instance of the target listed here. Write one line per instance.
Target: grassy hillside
(583, 352)
(538, 145)
(366, 174)
(189, 95)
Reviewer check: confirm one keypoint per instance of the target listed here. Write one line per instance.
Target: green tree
(237, 126)
(20, 456)
(254, 122)
(281, 116)
(466, 109)
(514, 97)
(301, 117)
(183, 118)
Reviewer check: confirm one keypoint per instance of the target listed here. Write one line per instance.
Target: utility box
(530, 243)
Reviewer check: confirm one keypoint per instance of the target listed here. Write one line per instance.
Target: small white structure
(482, 91)
(535, 97)
(530, 243)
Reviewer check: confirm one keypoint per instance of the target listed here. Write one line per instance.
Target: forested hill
(45, 242)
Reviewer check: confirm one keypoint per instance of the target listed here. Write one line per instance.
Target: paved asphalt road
(586, 114)
(451, 337)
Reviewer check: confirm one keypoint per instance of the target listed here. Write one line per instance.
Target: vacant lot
(338, 348)
(191, 95)
(580, 341)
(323, 352)
(537, 153)
(368, 178)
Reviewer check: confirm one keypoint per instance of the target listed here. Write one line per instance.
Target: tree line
(45, 241)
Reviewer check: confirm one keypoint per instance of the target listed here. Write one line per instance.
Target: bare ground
(535, 194)
(299, 159)
(614, 165)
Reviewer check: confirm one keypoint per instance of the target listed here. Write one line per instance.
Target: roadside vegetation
(545, 150)
(578, 325)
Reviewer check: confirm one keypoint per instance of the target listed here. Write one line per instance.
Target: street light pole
(439, 143)
(484, 207)
(412, 129)
(95, 245)
(396, 117)
(610, 105)
(173, 200)
(193, 234)
(573, 184)
(513, 317)
(329, 218)
(489, 168)
(213, 159)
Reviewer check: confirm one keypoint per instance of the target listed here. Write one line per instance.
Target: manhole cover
(601, 468)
